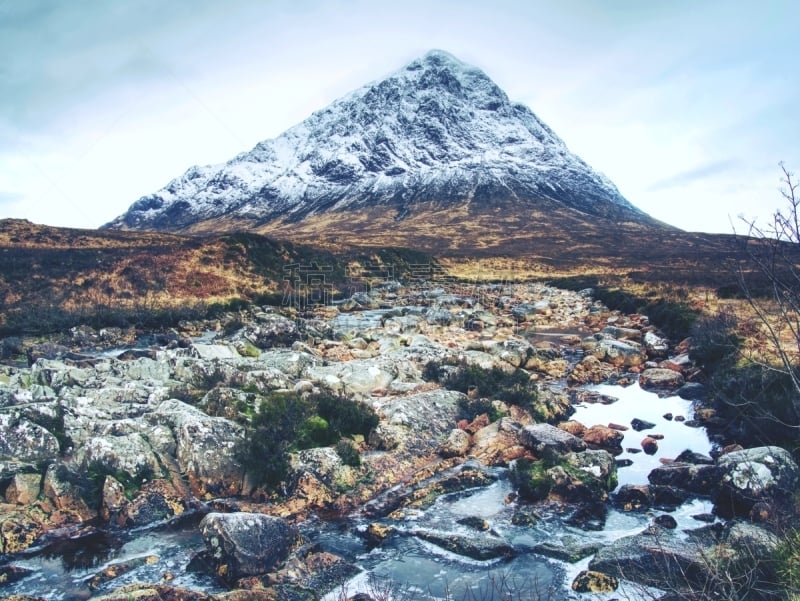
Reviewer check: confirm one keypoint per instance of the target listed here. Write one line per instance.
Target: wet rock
(376, 533)
(665, 521)
(641, 424)
(699, 479)
(117, 569)
(692, 391)
(246, 544)
(569, 548)
(639, 497)
(544, 438)
(158, 500)
(11, 574)
(315, 571)
(649, 445)
(689, 456)
(590, 516)
(604, 437)
(660, 379)
(153, 592)
(482, 548)
(590, 581)
(658, 557)
(474, 522)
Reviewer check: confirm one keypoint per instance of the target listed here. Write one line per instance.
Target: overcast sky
(687, 106)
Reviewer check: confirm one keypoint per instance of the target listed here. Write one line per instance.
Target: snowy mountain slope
(437, 131)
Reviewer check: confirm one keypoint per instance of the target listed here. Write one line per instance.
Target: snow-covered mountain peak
(437, 130)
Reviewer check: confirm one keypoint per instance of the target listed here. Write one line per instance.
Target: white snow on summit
(435, 130)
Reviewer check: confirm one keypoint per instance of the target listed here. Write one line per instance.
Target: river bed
(406, 566)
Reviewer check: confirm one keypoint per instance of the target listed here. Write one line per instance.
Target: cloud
(708, 171)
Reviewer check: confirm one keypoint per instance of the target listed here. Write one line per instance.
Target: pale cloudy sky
(688, 106)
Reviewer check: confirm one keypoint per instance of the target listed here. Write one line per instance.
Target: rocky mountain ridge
(436, 133)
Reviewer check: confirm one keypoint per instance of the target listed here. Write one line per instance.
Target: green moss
(531, 479)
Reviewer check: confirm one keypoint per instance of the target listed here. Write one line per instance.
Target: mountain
(438, 139)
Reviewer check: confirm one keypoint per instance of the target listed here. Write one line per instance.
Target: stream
(406, 566)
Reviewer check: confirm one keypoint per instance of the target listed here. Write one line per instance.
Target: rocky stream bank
(108, 434)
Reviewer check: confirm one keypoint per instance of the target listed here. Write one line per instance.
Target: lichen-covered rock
(129, 453)
(498, 443)
(662, 558)
(23, 440)
(158, 500)
(206, 448)
(63, 486)
(154, 592)
(246, 544)
(456, 444)
(618, 353)
(590, 581)
(590, 370)
(657, 378)
(762, 474)
(24, 489)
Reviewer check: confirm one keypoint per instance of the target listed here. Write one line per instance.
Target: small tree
(772, 284)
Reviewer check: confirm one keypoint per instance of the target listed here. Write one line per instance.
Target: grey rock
(478, 547)
(544, 438)
(246, 544)
(657, 378)
(762, 474)
(206, 447)
(25, 441)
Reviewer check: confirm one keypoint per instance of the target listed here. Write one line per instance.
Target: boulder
(478, 547)
(456, 444)
(638, 497)
(206, 448)
(709, 556)
(641, 424)
(590, 581)
(698, 479)
(762, 474)
(618, 353)
(129, 453)
(271, 330)
(26, 441)
(649, 445)
(24, 489)
(64, 486)
(657, 378)
(246, 544)
(544, 439)
(590, 371)
(604, 437)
